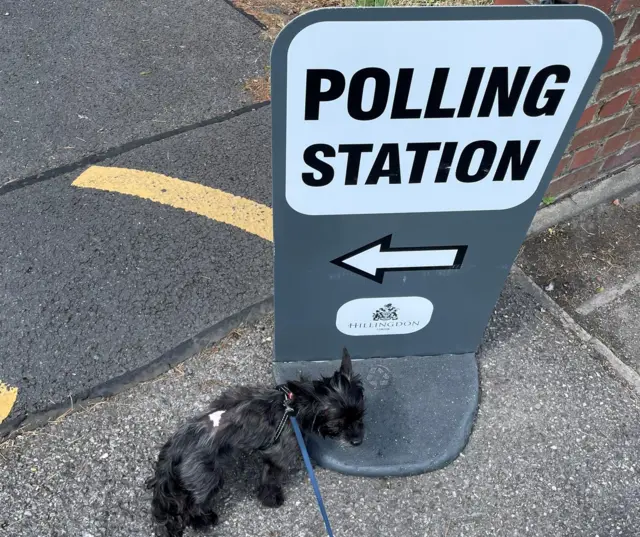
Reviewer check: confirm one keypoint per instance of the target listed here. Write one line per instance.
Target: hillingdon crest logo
(388, 312)
(386, 319)
(384, 316)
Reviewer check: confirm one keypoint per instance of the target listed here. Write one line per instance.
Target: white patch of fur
(216, 417)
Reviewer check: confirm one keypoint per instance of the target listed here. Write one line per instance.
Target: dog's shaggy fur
(191, 464)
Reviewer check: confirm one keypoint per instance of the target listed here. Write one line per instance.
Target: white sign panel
(384, 316)
(429, 116)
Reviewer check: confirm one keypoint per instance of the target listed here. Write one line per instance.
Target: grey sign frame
(310, 286)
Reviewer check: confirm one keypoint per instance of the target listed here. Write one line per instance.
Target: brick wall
(607, 138)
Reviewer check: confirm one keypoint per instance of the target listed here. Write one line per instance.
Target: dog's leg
(270, 492)
(172, 527)
(202, 474)
(164, 509)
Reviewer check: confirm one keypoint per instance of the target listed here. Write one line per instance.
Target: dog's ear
(345, 367)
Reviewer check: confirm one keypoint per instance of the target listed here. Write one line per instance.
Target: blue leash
(312, 475)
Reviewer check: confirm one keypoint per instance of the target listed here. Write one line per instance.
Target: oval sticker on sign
(384, 316)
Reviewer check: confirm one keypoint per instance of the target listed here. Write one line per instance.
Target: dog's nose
(356, 441)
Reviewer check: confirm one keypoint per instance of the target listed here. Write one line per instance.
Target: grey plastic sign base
(419, 416)
(411, 149)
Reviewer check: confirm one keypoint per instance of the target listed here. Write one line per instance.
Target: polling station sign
(411, 147)
(429, 116)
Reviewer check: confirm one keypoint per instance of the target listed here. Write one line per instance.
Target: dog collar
(288, 411)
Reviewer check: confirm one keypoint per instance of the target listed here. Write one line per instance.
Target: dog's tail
(170, 501)
(187, 475)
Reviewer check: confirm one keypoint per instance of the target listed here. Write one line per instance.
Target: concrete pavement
(590, 266)
(553, 452)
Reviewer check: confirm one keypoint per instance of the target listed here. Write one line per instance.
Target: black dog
(190, 466)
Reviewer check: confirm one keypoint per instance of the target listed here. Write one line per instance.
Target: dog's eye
(333, 428)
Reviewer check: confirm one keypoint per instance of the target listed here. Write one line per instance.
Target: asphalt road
(80, 77)
(95, 284)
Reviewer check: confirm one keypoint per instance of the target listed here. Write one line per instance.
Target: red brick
(574, 180)
(614, 58)
(603, 5)
(629, 78)
(634, 120)
(599, 131)
(587, 116)
(619, 26)
(584, 157)
(634, 135)
(563, 164)
(628, 155)
(626, 5)
(615, 143)
(615, 105)
(634, 51)
(635, 29)
(635, 100)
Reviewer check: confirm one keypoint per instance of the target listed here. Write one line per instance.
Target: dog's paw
(203, 522)
(271, 495)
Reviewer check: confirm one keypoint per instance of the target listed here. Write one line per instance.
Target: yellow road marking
(8, 396)
(236, 211)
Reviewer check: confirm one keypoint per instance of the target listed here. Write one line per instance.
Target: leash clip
(288, 411)
(288, 398)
